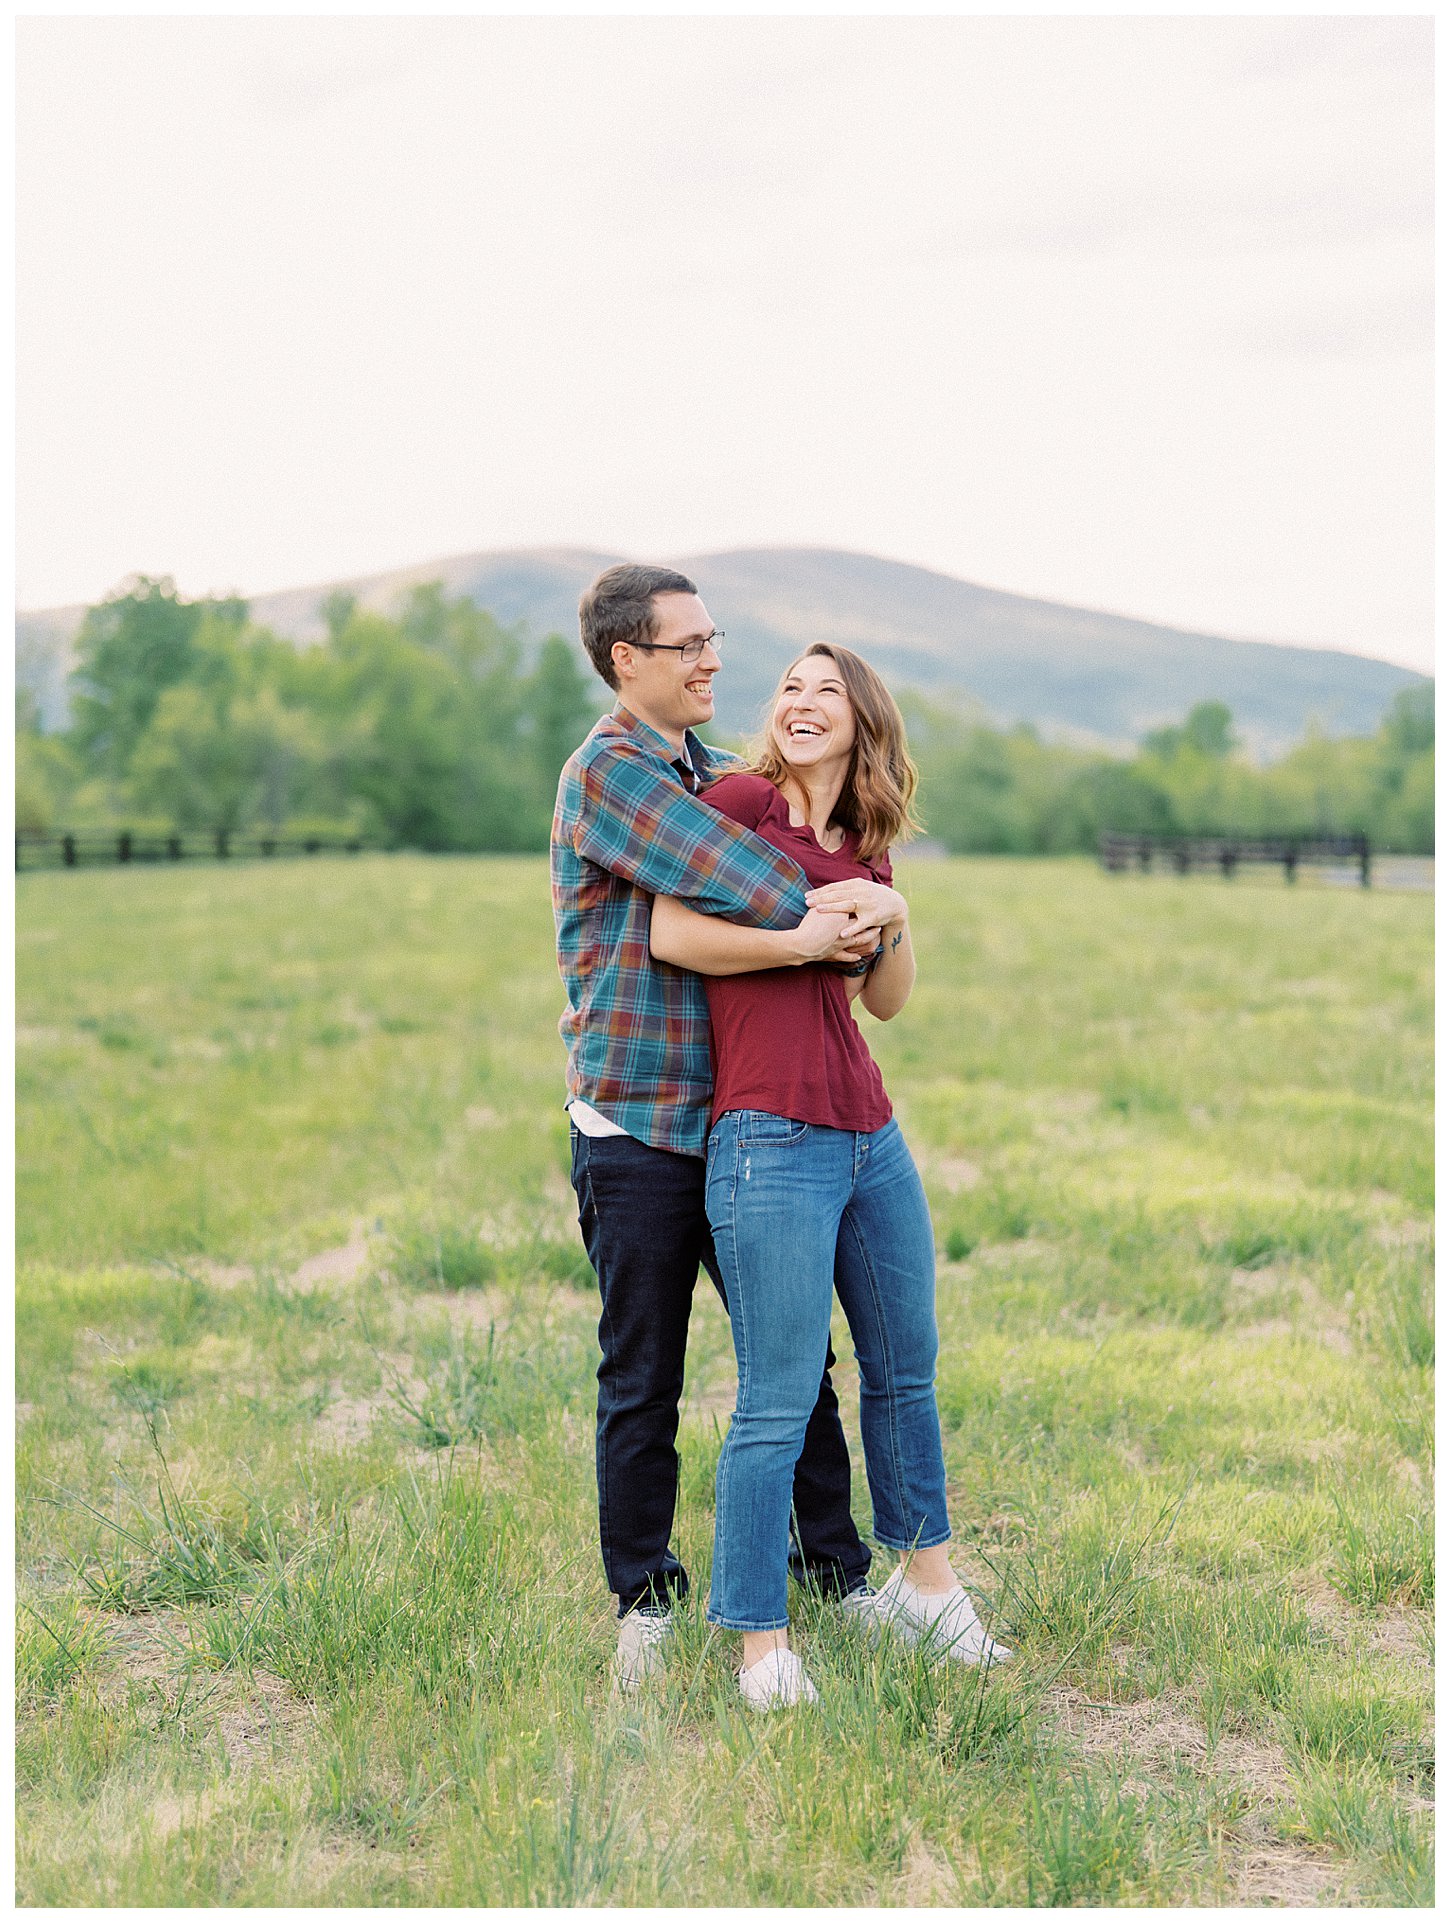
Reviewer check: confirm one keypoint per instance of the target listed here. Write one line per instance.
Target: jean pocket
(756, 1126)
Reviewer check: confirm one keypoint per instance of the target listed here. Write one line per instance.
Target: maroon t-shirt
(784, 1040)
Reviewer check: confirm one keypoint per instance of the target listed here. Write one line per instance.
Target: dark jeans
(642, 1216)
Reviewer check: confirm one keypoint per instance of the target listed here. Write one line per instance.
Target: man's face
(656, 683)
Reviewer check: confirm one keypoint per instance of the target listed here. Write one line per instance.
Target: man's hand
(823, 936)
(870, 904)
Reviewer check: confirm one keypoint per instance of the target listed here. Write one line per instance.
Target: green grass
(310, 1605)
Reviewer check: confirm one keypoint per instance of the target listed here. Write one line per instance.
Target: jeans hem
(917, 1542)
(748, 1629)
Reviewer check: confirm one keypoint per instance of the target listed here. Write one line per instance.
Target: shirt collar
(695, 751)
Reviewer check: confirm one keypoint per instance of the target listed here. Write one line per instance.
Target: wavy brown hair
(881, 780)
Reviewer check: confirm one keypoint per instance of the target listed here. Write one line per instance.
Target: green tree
(1409, 727)
(228, 763)
(556, 709)
(132, 647)
(1207, 730)
(46, 770)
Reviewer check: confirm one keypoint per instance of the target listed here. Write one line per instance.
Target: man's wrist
(792, 954)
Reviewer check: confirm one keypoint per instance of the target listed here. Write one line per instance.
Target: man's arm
(709, 946)
(632, 819)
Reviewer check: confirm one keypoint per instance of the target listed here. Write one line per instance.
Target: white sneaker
(777, 1681)
(641, 1650)
(946, 1622)
(860, 1607)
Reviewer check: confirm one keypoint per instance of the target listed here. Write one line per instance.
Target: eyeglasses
(688, 651)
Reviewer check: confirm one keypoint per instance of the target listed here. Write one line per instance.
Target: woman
(809, 1184)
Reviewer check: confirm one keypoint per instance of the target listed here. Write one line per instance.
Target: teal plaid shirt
(626, 830)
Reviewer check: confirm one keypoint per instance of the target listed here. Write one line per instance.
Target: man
(627, 826)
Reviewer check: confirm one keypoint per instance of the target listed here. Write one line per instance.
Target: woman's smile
(814, 720)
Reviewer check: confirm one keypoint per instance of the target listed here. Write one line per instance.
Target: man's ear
(622, 655)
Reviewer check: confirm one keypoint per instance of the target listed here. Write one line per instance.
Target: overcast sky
(1129, 313)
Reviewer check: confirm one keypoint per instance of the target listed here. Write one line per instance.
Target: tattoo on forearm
(896, 940)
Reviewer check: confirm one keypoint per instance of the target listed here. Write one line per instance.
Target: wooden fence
(96, 849)
(1181, 854)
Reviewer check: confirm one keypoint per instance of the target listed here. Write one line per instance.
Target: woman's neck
(812, 794)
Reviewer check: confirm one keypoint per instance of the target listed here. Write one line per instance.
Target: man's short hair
(619, 606)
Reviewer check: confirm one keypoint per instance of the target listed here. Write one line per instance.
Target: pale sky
(1132, 313)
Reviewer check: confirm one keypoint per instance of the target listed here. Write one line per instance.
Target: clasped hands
(844, 920)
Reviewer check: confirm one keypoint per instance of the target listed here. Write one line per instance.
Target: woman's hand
(870, 903)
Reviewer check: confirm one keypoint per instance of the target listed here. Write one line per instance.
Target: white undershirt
(589, 1121)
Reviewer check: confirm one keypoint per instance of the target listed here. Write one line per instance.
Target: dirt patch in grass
(1155, 1733)
(1402, 1633)
(349, 1419)
(166, 1815)
(1404, 1234)
(255, 1716)
(144, 1649)
(1252, 1285)
(1283, 1875)
(1275, 1328)
(927, 1879)
(265, 1718)
(221, 1275)
(953, 1173)
(1388, 1630)
(471, 1308)
(342, 1265)
(1272, 1329)
(1029, 1248)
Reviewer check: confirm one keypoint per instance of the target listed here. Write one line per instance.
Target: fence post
(1364, 861)
(173, 847)
(222, 850)
(123, 846)
(1228, 860)
(68, 850)
(268, 845)
(1291, 862)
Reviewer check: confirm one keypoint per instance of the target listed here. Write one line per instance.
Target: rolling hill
(1074, 673)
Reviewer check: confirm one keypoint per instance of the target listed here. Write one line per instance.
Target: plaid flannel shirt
(626, 830)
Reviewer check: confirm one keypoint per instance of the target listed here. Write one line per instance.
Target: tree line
(434, 729)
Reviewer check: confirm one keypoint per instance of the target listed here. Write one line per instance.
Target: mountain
(1074, 673)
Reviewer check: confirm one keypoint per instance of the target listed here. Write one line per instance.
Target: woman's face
(814, 724)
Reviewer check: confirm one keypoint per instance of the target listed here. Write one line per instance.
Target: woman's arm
(888, 987)
(709, 946)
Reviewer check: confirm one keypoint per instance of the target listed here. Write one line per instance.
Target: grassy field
(310, 1602)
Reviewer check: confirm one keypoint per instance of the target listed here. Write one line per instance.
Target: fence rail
(93, 848)
(1181, 854)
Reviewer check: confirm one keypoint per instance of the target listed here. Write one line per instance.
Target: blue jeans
(642, 1215)
(792, 1208)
